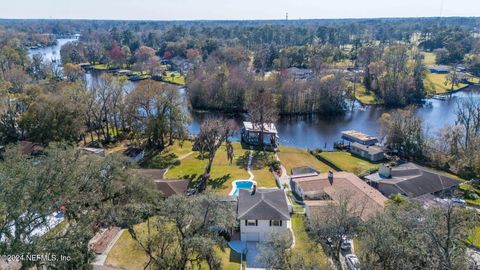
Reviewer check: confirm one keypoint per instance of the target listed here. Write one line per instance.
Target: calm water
(316, 131)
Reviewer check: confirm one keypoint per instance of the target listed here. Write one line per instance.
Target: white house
(262, 211)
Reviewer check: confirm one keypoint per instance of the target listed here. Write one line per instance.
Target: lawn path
(180, 158)
(284, 179)
(249, 165)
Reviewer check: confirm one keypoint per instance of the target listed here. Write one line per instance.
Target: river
(318, 131)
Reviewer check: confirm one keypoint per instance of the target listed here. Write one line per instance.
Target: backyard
(348, 162)
(296, 157)
(436, 83)
(223, 173)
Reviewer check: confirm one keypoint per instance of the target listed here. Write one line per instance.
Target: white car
(352, 262)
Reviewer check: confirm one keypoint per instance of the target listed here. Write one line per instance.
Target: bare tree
(262, 109)
(213, 133)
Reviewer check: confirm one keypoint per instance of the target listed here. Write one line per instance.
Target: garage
(252, 237)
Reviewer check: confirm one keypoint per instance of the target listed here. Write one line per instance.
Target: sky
(233, 9)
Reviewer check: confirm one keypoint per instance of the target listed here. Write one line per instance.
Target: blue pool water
(245, 184)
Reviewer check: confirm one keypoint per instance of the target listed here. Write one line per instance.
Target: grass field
(305, 246)
(436, 83)
(168, 155)
(127, 253)
(364, 97)
(348, 162)
(429, 58)
(296, 157)
(474, 238)
(174, 77)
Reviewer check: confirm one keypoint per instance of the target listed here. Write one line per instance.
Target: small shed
(371, 152)
(250, 135)
(439, 69)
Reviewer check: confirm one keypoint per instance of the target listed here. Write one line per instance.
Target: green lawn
(429, 59)
(348, 162)
(223, 173)
(364, 97)
(296, 157)
(127, 253)
(168, 155)
(465, 187)
(305, 246)
(474, 239)
(174, 77)
(436, 83)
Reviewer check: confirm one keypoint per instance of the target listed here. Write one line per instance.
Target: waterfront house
(411, 180)
(320, 191)
(373, 153)
(440, 69)
(354, 136)
(250, 135)
(262, 211)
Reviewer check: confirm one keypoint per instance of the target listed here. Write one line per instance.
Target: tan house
(321, 191)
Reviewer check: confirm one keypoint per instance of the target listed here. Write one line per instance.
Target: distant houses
(411, 180)
(440, 69)
(262, 211)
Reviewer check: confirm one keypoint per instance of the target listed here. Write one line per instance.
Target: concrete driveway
(252, 262)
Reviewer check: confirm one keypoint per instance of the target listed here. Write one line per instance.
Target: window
(251, 222)
(276, 223)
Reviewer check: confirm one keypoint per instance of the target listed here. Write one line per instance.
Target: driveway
(251, 257)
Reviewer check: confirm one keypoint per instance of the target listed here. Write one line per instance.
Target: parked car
(458, 201)
(346, 244)
(352, 262)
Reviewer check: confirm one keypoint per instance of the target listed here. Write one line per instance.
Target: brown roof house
(411, 180)
(168, 187)
(30, 148)
(321, 191)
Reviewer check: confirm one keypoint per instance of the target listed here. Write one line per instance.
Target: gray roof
(372, 149)
(303, 170)
(264, 204)
(414, 180)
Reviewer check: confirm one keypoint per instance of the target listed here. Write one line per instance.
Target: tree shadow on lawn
(215, 183)
(242, 161)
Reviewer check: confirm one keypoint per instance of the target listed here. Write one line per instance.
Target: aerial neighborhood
(264, 144)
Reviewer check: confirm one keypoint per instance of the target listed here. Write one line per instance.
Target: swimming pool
(241, 184)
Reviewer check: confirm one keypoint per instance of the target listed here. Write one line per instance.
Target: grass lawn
(348, 162)
(429, 59)
(364, 97)
(168, 155)
(436, 83)
(223, 173)
(465, 187)
(174, 77)
(305, 246)
(474, 238)
(127, 253)
(230, 259)
(296, 157)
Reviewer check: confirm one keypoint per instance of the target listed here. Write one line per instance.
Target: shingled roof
(263, 204)
(168, 187)
(414, 180)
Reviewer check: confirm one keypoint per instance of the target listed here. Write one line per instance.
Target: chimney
(254, 190)
(330, 177)
(385, 171)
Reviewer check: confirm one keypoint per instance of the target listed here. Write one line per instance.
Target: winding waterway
(318, 131)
